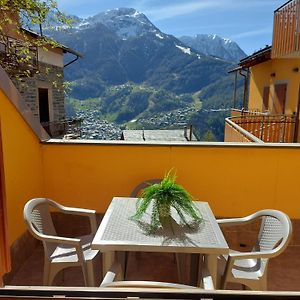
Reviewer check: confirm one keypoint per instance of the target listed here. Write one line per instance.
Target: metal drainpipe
(41, 29)
(72, 61)
(234, 91)
(296, 131)
(246, 78)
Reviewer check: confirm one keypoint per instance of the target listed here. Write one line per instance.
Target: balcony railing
(286, 32)
(70, 128)
(23, 293)
(262, 128)
(17, 57)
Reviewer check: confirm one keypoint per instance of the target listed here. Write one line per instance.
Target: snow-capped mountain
(125, 22)
(211, 44)
(122, 45)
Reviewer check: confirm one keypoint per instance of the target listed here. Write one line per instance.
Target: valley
(134, 76)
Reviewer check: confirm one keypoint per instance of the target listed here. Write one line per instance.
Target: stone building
(43, 89)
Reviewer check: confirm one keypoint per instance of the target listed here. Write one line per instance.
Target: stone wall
(50, 77)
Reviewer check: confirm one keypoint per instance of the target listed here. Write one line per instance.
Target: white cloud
(157, 12)
(170, 11)
(251, 33)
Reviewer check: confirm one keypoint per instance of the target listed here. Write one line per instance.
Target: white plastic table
(118, 233)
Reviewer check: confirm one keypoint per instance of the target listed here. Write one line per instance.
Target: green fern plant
(165, 195)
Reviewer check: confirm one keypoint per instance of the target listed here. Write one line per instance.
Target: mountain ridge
(212, 44)
(122, 45)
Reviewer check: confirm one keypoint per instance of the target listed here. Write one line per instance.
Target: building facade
(42, 87)
(274, 82)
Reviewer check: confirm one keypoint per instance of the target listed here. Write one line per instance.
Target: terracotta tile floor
(284, 271)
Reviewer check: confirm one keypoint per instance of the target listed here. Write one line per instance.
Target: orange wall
(22, 165)
(235, 180)
(261, 77)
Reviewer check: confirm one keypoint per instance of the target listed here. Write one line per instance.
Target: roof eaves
(257, 57)
(63, 47)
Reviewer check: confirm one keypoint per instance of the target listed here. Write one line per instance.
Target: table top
(118, 233)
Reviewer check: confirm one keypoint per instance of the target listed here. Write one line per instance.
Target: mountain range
(211, 44)
(135, 70)
(122, 45)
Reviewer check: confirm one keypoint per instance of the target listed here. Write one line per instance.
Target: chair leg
(90, 274)
(85, 273)
(53, 270)
(46, 272)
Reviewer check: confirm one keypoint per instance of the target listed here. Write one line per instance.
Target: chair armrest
(236, 221)
(57, 239)
(76, 243)
(249, 255)
(90, 213)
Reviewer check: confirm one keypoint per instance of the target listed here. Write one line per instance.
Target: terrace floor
(284, 270)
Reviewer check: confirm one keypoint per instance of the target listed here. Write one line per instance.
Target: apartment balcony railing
(260, 128)
(70, 128)
(286, 32)
(17, 57)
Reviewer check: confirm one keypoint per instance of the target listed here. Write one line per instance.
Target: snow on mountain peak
(214, 45)
(125, 22)
(227, 41)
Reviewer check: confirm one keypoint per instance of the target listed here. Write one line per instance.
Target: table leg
(211, 262)
(109, 258)
(195, 266)
(187, 268)
(182, 262)
(121, 257)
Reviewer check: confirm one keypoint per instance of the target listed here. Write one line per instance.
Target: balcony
(235, 179)
(286, 32)
(260, 128)
(68, 128)
(15, 60)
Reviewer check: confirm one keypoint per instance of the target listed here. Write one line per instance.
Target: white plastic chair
(61, 252)
(115, 269)
(250, 268)
(136, 191)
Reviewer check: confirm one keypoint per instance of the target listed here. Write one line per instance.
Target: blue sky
(248, 22)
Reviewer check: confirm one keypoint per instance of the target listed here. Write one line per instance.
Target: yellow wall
(235, 180)
(261, 77)
(22, 165)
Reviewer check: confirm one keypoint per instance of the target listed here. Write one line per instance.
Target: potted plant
(164, 196)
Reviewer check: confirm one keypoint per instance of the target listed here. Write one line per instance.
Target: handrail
(266, 128)
(11, 56)
(286, 37)
(282, 6)
(244, 132)
(63, 127)
(23, 292)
